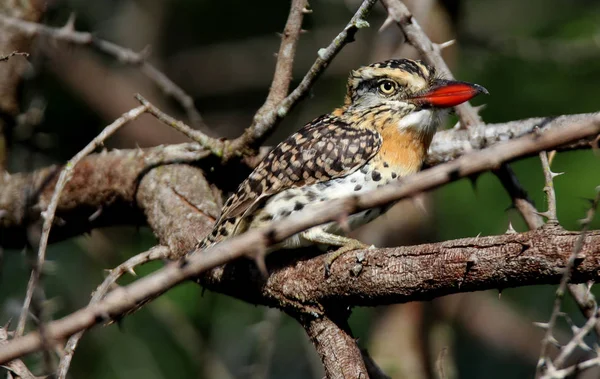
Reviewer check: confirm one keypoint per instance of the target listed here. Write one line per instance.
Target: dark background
(536, 58)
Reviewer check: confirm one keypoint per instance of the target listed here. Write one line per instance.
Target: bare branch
(156, 253)
(285, 58)
(49, 213)
(118, 302)
(122, 54)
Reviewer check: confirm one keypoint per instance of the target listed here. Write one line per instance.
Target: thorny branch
(68, 34)
(123, 299)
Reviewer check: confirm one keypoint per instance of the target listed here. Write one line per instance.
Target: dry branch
(547, 247)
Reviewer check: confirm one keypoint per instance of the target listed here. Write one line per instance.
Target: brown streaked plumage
(381, 134)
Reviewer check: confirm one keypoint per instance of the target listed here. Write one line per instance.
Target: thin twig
(156, 253)
(264, 123)
(68, 34)
(544, 361)
(215, 146)
(285, 57)
(48, 214)
(123, 299)
(4, 58)
(586, 301)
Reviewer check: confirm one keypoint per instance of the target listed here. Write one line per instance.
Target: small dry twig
(4, 58)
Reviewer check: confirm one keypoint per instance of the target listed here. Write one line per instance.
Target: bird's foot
(350, 246)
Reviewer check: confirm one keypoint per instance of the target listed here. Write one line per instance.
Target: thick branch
(102, 193)
(339, 352)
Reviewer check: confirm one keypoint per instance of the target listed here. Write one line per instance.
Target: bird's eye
(387, 87)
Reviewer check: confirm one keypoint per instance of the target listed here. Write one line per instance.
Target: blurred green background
(537, 58)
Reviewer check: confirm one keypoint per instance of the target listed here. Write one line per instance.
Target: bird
(380, 134)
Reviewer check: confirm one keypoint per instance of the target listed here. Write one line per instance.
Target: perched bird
(381, 133)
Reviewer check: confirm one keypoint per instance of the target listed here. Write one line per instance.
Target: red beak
(448, 93)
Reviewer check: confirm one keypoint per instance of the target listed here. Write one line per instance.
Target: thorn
(419, 202)
(479, 108)
(510, 229)
(361, 24)
(553, 341)
(386, 24)
(322, 53)
(307, 10)
(478, 235)
(259, 259)
(446, 44)
(555, 174)
(551, 156)
(542, 325)
(473, 179)
(303, 31)
(499, 293)
(145, 52)
(131, 271)
(95, 215)
(343, 222)
(70, 24)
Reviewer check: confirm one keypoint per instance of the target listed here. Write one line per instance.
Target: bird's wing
(324, 149)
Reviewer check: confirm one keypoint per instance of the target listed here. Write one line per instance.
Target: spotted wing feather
(325, 149)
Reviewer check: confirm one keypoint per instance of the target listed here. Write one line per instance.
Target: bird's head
(409, 89)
